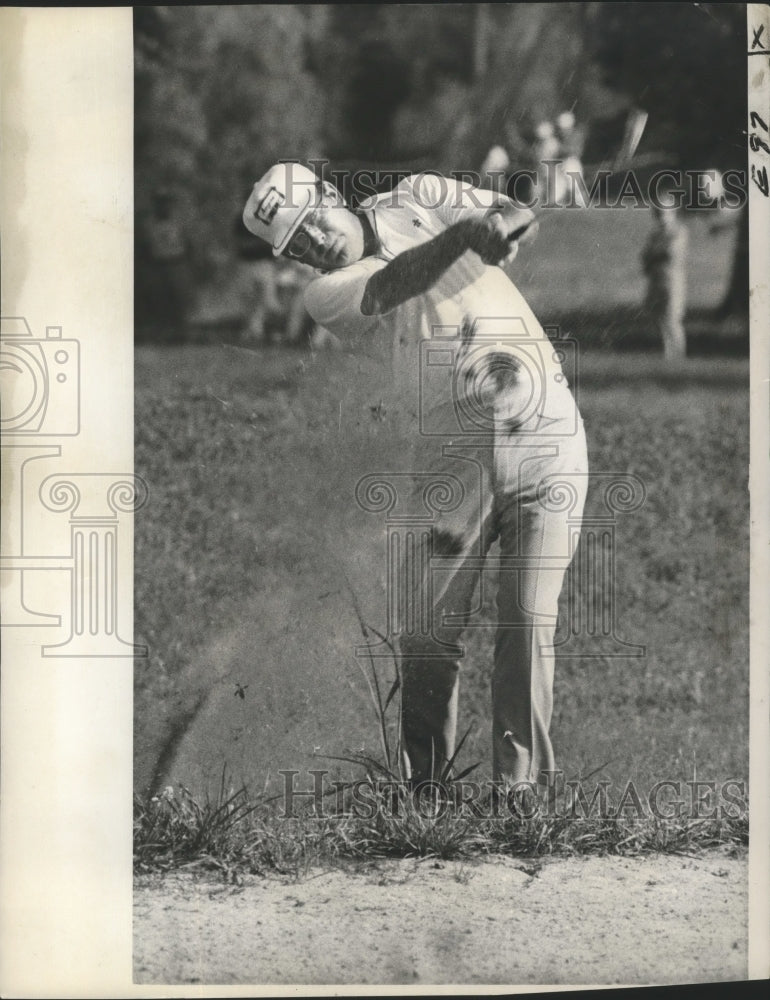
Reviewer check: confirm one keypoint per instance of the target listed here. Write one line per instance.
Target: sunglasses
(307, 236)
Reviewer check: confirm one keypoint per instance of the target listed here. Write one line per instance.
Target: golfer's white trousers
(522, 481)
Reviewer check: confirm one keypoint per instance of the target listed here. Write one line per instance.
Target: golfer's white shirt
(452, 338)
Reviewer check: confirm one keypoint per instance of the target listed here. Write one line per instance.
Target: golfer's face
(330, 237)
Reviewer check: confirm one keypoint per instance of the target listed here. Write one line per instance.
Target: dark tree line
(221, 92)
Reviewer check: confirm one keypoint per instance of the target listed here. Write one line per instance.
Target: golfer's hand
(489, 238)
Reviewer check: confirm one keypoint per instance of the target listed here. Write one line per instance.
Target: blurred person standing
(545, 150)
(494, 169)
(664, 261)
(170, 283)
(520, 143)
(571, 145)
(272, 292)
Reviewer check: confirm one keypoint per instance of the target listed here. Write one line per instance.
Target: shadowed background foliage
(221, 93)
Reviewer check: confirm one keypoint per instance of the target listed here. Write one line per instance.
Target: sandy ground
(661, 919)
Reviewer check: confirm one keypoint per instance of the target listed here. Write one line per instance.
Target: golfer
(497, 442)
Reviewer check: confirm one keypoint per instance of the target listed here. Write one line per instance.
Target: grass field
(589, 261)
(250, 457)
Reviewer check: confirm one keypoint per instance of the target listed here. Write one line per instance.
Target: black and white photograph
(434, 582)
(442, 406)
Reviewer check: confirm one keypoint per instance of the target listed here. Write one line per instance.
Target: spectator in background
(274, 288)
(520, 144)
(265, 309)
(494, 169)
(664, 260)
(571, 145)
(169, 286)
(545, 148)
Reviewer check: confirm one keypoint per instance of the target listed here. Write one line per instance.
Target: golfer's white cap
(279, 202)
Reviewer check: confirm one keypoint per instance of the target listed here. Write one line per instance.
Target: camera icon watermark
(41, 401)
(500, 457)
(40, 381)
(491, 369)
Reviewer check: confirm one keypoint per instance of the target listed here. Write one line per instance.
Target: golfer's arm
(414, 271)
(513, 216)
